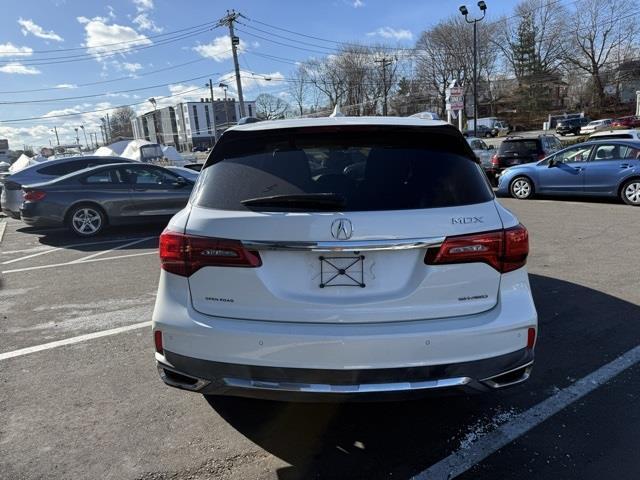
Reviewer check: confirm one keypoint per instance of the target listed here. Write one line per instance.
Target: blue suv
(607, 168)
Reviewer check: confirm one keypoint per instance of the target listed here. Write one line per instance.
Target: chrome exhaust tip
(176, 379)
(510, 377)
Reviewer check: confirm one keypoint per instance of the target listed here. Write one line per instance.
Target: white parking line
(73, 245)
(465, 458)
(119, 247)
(56, 265)
(3, 227)
(72, 340)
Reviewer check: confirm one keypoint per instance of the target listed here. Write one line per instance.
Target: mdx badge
(465, 220)
(341, 229)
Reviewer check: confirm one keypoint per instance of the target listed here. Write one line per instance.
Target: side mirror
(552, 163)
(180, 182)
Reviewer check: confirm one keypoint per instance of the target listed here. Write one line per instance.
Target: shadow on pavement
(60, 237)
(580, 330)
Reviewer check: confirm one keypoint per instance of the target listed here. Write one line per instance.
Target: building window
(206, 111)
(195, 120)
(250, 114)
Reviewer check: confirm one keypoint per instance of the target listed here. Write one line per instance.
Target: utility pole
(226, 105)
(228, 20)
(385, 62)
(213, 112)
(109, 129)
(77, 138)
(102, 134)
(86, 142)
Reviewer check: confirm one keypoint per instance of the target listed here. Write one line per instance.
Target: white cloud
(30, 27)
(131, 67)
(143, 5)
(66, 85)
(19, 69)
(112, 12)
(389, 32)
(357, 3)
(219, 50)
(10, 50)
(145, 23)
(102, 38)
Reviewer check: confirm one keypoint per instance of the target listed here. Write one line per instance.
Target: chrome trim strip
(346, 246)
(494, 382)
(353, 388)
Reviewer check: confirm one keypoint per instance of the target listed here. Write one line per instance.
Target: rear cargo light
(157, 339)
(531, 337)
(186, 254)
(494, 160)
(33, 195)
(504, 250)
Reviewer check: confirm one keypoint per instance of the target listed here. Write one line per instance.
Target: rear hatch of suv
(341, 224)
(517, 151)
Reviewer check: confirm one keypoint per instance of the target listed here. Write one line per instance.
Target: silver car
(482, 151)
(11, 197)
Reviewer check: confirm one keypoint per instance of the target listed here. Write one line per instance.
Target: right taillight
(186, 254)
(494, 160)
(505, 250)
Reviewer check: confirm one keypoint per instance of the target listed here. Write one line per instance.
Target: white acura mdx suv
(341, 257)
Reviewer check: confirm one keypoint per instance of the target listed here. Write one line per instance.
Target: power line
(128, 77)
(74, 114)
(57, 50)
(100, 55)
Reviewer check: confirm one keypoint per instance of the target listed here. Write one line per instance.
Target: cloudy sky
(65, 63)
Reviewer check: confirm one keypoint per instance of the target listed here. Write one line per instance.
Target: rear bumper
(270, 359)
(32, 215)
(216, 378)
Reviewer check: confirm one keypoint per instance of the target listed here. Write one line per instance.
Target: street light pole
(224, 86)
(213, 112)
(463, 9)
(86, 142)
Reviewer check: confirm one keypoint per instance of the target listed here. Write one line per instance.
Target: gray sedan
(89, 200)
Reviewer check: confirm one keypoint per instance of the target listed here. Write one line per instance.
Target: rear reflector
(34, 195)
(531, 337)
(157, 338)
(186, 254)
(504, 250)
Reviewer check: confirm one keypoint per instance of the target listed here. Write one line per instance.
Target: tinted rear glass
(379, 169)
(521, 147)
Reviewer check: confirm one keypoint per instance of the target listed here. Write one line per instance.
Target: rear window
(380, 169)
(64, 168)
(521, 147)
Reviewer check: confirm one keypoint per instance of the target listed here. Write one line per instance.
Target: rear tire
(630, 192)
(86, 220)
(521, 188)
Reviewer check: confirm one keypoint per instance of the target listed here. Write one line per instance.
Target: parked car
(595, 125)
(89, 200)
(517, 150)
(493, 125)
(622, 134)
(571, 125)
(608, 168)
(483, 131)
(631, 121)
(200, 148)
(482, 151)
(11, 197)
(287, 276)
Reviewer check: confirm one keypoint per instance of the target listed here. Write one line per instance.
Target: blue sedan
(607, 168)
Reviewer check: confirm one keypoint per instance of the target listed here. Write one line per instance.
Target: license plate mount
(342, 271)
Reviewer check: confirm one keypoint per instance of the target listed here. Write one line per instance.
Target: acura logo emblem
(341, 229)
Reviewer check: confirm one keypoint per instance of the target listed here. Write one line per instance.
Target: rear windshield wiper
(305, 200)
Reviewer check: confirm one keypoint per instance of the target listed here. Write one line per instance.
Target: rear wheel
(86, 220)
(521, 188)
(630, 192)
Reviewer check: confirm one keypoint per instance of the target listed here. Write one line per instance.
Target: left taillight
(505, 250)
(186, 254)
(157, 340)
(33, 195)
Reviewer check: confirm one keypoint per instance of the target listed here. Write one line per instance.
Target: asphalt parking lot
(80, 396)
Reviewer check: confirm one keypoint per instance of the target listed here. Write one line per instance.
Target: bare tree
(595, 36)
(121, 122)
(299, 88)
(270, 107)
